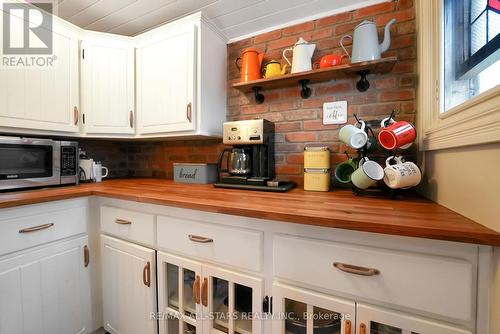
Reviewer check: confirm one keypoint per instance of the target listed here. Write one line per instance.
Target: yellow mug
(273, 69)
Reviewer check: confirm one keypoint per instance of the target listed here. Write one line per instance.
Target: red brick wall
(299, 121)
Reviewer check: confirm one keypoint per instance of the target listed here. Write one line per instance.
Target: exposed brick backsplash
(298, 121)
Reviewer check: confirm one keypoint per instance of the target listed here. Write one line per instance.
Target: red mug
(397, 134)
(329, 61)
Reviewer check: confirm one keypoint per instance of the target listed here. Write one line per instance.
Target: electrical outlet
(335, 112)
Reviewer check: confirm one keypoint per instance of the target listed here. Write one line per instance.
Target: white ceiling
(236, 18)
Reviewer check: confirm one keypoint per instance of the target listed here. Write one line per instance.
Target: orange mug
(251, 61)
(329, 61)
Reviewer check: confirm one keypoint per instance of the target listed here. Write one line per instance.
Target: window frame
(476, 121)
(482, 58)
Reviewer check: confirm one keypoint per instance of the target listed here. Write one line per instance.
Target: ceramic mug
(344, 170)
(399, 134)
(99, 172)
(354, 136)
(402, 174)
(367, 174)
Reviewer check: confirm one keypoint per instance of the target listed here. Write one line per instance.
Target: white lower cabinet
(200, 298)
(46, 290)
(377, 320)
(298, 311)
(128, 286)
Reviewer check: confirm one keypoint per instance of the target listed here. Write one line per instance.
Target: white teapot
(302, 55)
(365, 41)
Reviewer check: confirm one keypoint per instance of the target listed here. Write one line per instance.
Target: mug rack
(381, 190)
(304, 79)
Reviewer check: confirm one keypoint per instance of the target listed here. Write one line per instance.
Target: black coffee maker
(249, 163)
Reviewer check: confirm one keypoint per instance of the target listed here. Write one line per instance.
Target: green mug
(344, 170)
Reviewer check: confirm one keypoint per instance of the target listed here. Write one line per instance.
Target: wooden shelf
(383, 65)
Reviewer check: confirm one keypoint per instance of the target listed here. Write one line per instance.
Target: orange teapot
(251, 61)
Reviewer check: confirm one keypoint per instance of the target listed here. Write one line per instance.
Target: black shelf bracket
(363, 84)
(305, 91)
(259, 97)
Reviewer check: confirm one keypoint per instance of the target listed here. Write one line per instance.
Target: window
(471, 50)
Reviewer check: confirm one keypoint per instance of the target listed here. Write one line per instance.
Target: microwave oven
(34, 162)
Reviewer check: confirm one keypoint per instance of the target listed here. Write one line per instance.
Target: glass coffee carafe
(239, 161)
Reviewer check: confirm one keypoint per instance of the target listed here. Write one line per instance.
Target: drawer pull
(123, 221)
(146, 275)
(349, 268)
(86, 256)
(36, 228)
(347, 327)
(204, 292)
(197, 238)
(362, 328)
(196, 290)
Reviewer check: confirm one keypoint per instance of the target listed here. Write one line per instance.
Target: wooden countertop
(338, 209)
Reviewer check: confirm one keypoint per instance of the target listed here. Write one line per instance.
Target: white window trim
(476, 121)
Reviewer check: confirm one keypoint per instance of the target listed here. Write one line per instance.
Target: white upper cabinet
(181, 79)
(176, 72)
(166, 80)
(107, 78)
(44, 97)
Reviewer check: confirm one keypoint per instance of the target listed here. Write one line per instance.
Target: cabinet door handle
(204, 292)
(131, 119)
(86, 256)
(36, 228)
(146, 275)
(200, 239)
(196, 290)
(351, 269)
(75, 114)
(362, 328)
(122, 221)
(347, 326)
(189, 112)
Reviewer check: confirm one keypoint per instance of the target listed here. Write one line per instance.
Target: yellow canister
(317, 179)
(317, 157)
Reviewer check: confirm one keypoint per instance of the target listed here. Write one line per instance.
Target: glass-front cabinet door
(232, 302)
(374, 320)
(179, 295)
(298, 311)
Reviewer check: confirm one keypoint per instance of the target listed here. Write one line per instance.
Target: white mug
(354, 136)
(98, 172)
(402, 174)
(367, 174)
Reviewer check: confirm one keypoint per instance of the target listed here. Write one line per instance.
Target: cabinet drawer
(223, 244)
(23, 232)
(127, 224)
(434, 284)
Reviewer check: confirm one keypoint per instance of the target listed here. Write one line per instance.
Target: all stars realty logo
(27, 34)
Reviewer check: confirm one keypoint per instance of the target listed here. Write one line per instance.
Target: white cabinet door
(299, 311)
(166, 69)
(374, 320)
(44, 97)
(229, 300)
(128, 287)
(179, 298)
(108, 84)
(46, 291)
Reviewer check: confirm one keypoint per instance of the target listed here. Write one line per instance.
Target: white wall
(467, 180)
